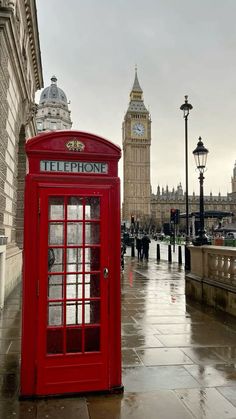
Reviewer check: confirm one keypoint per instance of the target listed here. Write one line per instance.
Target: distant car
(160, 236)
(230, 235)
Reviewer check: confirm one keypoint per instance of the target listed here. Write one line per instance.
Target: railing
(214, 262)
(212, 279)
(222, 267)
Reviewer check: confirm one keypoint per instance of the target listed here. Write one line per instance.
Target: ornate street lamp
(186, 107)
(200, 154)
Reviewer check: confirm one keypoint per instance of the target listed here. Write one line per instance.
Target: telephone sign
(73, 167)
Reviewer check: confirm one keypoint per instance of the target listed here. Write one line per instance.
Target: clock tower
(136, 157)
(234, 182)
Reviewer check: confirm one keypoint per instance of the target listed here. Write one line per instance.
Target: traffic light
(174, 215)
(177, 216)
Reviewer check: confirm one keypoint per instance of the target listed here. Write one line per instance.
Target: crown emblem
(75, 145)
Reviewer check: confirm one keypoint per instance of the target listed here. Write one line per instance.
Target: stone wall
(13, 269)
(212, 279)
(4, 81)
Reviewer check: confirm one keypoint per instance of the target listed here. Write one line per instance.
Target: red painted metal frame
(52, 146)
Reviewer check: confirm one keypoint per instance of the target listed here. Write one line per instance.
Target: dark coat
(145, 242)
(138, 243)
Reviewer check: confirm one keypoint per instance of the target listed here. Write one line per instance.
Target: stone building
(136, 157)
(164, 200)
(20, 77)
(52, 111)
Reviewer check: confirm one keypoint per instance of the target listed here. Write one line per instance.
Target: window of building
(53, 125)
(40, 126)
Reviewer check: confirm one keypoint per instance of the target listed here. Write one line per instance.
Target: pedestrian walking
(145, 245)
(122, 253)
(139, 247)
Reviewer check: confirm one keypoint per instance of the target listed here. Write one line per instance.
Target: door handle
(105, 272)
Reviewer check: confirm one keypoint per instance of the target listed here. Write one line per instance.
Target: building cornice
(32, 23)
(8, 26)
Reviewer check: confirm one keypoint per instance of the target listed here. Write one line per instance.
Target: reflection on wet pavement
(153, 378)
(163, 356)
(138, 405)
(206, 403)
(178, 357)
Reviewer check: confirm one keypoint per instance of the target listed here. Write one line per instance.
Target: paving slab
(136, 341)
(75, 408)
(207, 403)
(229, 393)
(130, 358)
(163, 356)
(204, 356)
(168, 377)
(138, 406)
(213, 375)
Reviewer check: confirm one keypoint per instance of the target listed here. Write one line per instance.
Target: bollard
(132, 250)
(187, 259)
(169, 253)
(158, 251)
(180, 255)
(122, 262)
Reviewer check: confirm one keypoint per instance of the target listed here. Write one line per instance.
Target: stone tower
(136, 157)
(233, 180)
(53, 113)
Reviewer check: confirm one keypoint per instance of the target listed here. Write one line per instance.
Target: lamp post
(186, 107)
(200, 154)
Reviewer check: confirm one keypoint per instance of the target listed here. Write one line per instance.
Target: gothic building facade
(164, 200)
(136, 131)
(52, 111)
(20, 77)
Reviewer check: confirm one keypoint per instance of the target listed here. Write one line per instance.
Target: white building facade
(52, 112)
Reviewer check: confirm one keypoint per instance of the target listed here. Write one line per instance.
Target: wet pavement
(179, 359)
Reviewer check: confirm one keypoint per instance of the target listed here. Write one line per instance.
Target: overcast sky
(180, 47)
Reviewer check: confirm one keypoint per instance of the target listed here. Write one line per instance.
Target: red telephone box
(71, 271)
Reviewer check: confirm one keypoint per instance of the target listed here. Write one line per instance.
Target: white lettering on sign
(73, 167)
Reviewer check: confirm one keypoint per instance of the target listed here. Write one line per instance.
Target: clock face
(138, 129)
